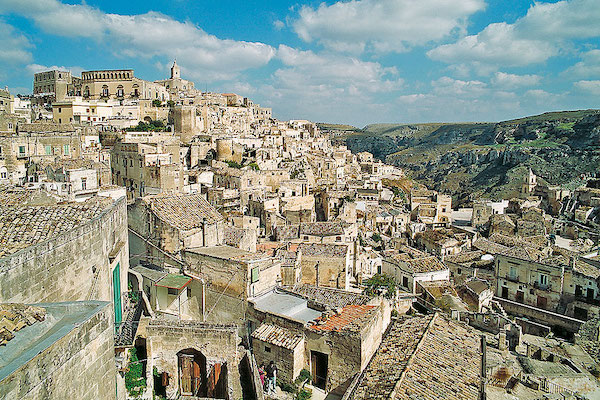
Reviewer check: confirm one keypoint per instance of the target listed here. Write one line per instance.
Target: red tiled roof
(349, 315)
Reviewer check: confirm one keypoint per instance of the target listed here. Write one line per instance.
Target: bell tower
(175, 71)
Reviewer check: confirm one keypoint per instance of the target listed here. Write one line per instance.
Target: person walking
(271, 371)
(262, 373)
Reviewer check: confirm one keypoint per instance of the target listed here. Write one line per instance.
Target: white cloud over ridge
(512, 81)
(383, 25)
(146, 35)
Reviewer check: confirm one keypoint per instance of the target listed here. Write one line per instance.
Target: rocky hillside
(489, 159)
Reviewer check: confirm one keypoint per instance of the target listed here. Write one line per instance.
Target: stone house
(232, 276)
(63, 252)
(331, 232)
(443, 242)
(147, 168)
(409, 266)
(193, 359)
(297, 329)
(171, 223)
(329, 265)
(431, 208)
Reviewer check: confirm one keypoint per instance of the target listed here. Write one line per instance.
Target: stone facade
(216, 343)
(75, 265)
(75, 363)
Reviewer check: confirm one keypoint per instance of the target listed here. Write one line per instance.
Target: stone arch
(192, 377)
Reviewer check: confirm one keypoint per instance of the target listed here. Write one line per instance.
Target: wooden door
(519, 296)
(196, 377)
(186, 364)
(542, 302)
(213, 379)
(504, 292)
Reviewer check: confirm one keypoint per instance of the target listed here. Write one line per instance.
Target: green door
(117, 294)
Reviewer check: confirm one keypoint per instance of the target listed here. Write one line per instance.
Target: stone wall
(76, 265)
(218, 343)
(79, 366)
(289, 361)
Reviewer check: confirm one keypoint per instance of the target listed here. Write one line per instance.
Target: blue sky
(357, 62)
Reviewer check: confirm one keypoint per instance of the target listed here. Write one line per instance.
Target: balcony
(541, 286)
(512, 278)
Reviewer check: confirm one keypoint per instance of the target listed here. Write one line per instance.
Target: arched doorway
(192, 373)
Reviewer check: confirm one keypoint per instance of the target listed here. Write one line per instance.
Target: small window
(338, 238)
(305, 237)
(3, 175)
(66, 149)
(404, 281)
(83, 183)
(267, 349)
(255, 272)
(21, 150)
(459, 271)
(172, 292)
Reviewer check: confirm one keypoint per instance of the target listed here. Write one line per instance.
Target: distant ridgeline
(486, 159)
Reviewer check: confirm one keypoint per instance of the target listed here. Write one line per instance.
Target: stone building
(54, 85)
(119, 84)
(297, 329)
(63, 252)
(147, 168)
(409, 266)
(172, 223)
(232, 276)
(329, 265)
(66, 352)
(193, 359)
(414, 361)
(38, 142)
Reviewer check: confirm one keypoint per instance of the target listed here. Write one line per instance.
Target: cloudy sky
(357, 62)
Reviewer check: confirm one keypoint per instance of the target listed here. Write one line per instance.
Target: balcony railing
(512, 278)
(542, 286)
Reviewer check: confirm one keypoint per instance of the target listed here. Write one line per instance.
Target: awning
(174, 281)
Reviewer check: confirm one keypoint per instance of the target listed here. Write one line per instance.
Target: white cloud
(591, 87)
(512, 81)
(542, 33)
(148, 35)
(383, 25)
(589, 66)
(455, 87)
(498, 44)
(14, 47)
(278, 24)
(35, 68)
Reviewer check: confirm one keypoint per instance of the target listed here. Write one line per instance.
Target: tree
(156, 103)
(380, 284)
(170, 103)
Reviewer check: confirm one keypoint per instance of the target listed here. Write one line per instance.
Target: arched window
(86, 91)
(136, 90)
(120, 91)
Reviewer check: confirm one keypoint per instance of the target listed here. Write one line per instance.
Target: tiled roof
(329, 228)
(14, 317)
(183, 211)
(414, 362)
(488, 246)
(277, 336)
(287, 232)
(465, 257)
(24, 226)
(425, 264)
(325, 250)
(334, 298)
(351, 318)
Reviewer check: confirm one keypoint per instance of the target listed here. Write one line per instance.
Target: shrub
(380, 284)
(135, 382)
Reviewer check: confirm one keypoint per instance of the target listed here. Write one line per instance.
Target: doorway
(319, 364)
(542, 302)
(504, 294)
(192, 373)
(519, 296)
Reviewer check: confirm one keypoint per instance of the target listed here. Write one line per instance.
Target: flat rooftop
(228, 253)
(287, 305)
(61, 318)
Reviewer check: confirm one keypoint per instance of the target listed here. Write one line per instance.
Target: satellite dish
(487, 257)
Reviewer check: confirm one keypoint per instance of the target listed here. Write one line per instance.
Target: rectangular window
(66, 149)
(83, 183)
(255, 272)
(172, 292)
(267, 349)
(404, 281)
(22, 150)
